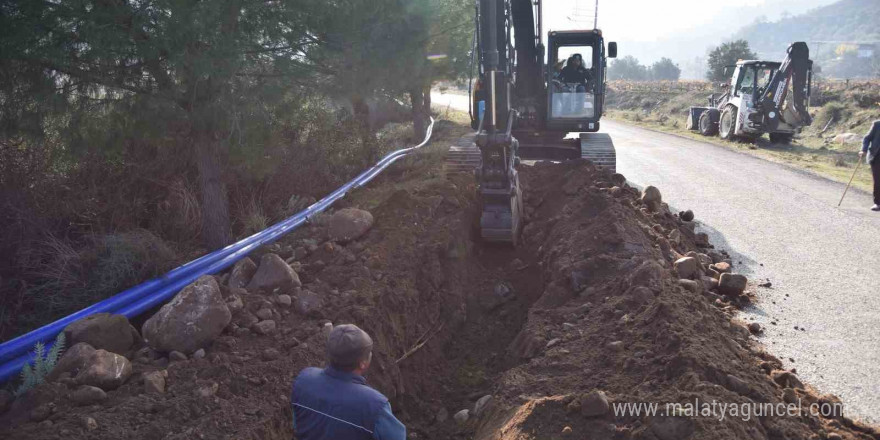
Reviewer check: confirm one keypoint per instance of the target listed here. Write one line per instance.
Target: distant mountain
(824, 29)
(689, 48)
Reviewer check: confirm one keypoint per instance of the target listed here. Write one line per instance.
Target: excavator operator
(574, 73)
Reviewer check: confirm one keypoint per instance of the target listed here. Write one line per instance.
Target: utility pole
(596, 16)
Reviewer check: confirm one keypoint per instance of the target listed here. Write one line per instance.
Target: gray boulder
(349, 224)
(308, 303)
(242, 272)
(686, 267)
(264, 327)
(732, 284)
(274, 272)
(102, 331)
(105, 370)
(691, 285)
(154, 382)
(72, 361)
(194, 318)
(482, 404)
(652, 198)
(87, 395)
(594, 404)
(672, 428)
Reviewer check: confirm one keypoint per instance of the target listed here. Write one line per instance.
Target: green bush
(44, 363)
(834, 109)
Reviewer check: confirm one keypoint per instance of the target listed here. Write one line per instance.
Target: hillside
(843, 21)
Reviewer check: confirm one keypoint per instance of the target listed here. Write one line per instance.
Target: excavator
(762, 97)
(523, 109)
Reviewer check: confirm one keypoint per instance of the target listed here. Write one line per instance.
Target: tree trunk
(428, 100)
(216, 227)
(417, 111)
(365, 131)
(427, 108)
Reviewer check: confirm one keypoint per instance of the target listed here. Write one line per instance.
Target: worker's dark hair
(348, 367)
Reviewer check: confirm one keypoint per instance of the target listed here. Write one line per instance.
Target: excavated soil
(587, 302)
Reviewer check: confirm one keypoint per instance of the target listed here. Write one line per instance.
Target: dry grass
(66, 276)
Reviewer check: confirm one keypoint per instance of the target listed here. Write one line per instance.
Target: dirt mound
(400, 282)
(614, 318)
(588, 302)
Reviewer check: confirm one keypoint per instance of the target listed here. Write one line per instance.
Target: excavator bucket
(501, 220)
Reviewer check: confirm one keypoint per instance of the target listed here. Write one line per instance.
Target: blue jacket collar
(345, 376)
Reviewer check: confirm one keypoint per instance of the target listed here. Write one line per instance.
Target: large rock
(105, 370)
(349, 224)
(264, 327)
(686, 267)
(102, 331)
(72, 361)
(154, 382)
(242, 272)
(786, 379)
(594, 404)
(652, 198)
(482, 404)
(308, 303)
(847, 138)
(651, 194)
(274, 272)
(194, 318)
(87, 395)
(732, 284)
(672, 428)
(721, 267)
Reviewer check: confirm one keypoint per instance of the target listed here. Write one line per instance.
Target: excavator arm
(499, 188)
(777, 104)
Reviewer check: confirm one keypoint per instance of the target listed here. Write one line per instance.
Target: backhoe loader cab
(576, 106)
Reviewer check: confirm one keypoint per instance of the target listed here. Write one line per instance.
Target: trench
(487, 293)
(501, 292)
(464, 363)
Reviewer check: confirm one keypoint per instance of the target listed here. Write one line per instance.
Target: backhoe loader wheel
(709, 122)
(727, 124)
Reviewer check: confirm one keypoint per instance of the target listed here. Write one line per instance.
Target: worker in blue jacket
(335, 402)
(871, 147)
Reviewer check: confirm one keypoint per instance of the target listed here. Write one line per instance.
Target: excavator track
(598, 148)
(463, 157)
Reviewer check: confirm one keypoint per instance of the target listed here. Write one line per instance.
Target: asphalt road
(780, 224)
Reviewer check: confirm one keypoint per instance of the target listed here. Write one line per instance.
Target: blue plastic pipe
(134, 301)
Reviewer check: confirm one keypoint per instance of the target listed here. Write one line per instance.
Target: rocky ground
(610, 299)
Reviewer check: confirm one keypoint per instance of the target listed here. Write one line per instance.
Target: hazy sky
(651, 20)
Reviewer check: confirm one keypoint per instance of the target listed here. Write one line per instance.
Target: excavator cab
(574, 101)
